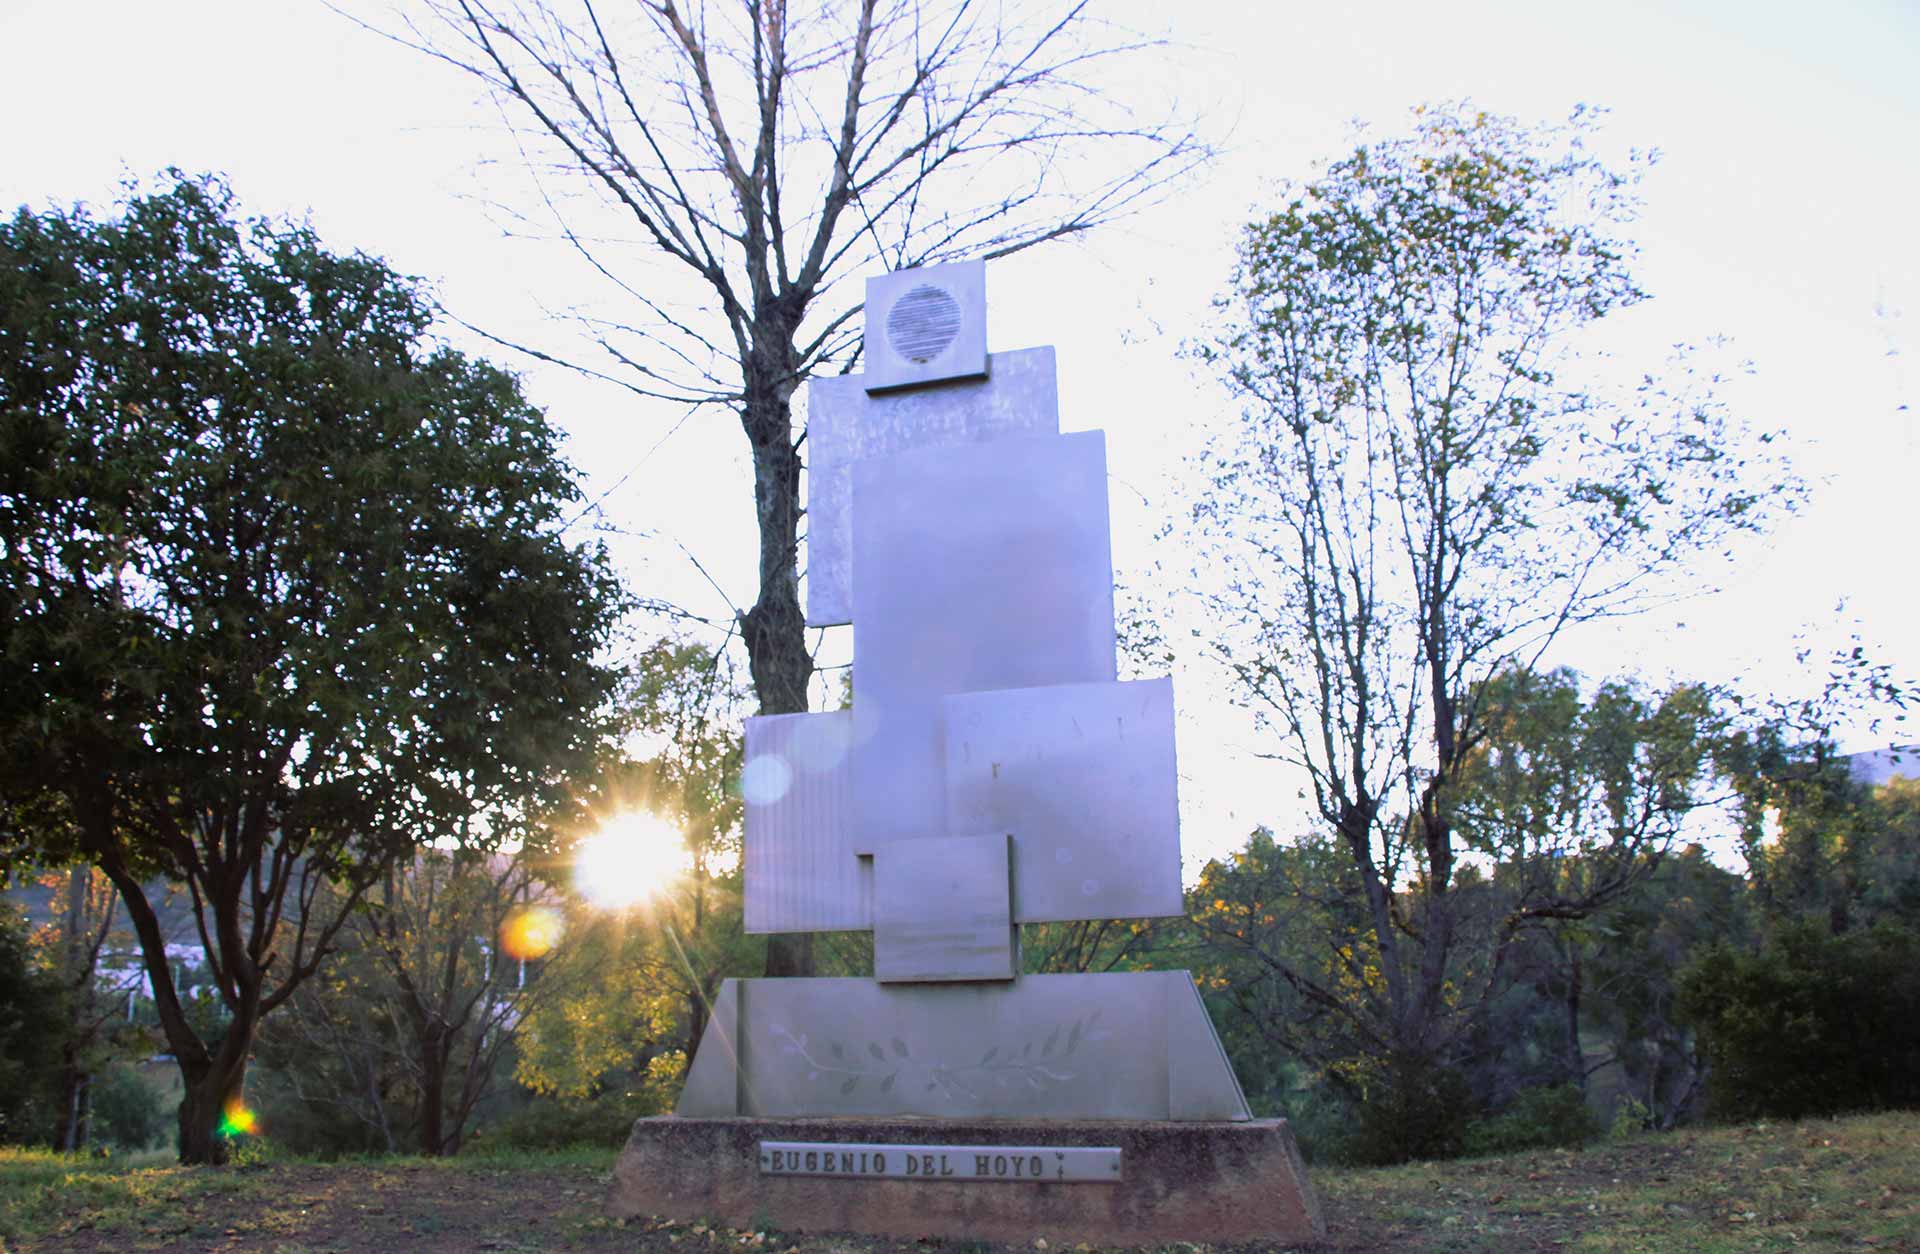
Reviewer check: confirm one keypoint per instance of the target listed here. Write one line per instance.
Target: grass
(1849, 1184)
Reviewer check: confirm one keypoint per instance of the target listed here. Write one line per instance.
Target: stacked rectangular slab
(992, 772)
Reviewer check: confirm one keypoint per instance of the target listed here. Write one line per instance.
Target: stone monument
(993, 771)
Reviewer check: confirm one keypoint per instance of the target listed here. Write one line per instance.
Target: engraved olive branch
(855, 1069)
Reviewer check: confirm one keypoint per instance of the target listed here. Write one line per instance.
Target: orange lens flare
(531, 933)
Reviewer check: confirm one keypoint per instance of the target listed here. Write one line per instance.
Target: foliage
(129, 1111)
(1632, 958)
(81, 928)
(399, 1041)
(1811, 1024)
(685, 703)
(605, 1120)
(1538, 1118)
(1418, 500)
(657, 964)
(636, 987)
(1819, 844)
(283, 587)
(33, 1014)
(1406, 1106)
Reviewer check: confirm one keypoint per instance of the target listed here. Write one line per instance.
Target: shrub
(33, 1028)
(129, 1111)
(1813, 1024)
(556, 1123)
(1410, 1107)
(1538, 1117)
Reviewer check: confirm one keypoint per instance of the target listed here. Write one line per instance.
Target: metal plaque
(1000, 1164)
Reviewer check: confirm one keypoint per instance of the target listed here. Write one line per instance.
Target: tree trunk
(76, 1102)
(1576, 1056)
(211, 1089)
(433, 1096)
(775, 629)
(79, 980)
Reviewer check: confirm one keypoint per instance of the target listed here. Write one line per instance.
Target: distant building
(1883, 766)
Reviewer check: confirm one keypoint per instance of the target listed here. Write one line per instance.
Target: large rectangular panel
(845, 423)
(1082, 776)
(943, 910)
(798, 861)
(981, 566)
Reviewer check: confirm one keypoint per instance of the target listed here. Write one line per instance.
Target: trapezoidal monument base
(1139, 1182)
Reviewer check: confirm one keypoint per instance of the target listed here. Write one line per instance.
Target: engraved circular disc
(922, 323)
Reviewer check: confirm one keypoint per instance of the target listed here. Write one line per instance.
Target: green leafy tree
(284, 592)
(1818, 843)
(1420, 498)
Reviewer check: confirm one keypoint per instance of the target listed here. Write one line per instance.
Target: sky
(1781, 218)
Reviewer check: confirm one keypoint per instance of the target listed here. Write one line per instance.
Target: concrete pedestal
(1205, 1182)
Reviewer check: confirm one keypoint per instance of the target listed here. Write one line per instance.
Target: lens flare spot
(635, 856)
(532, 933)
(765, 780)
(238, 1120)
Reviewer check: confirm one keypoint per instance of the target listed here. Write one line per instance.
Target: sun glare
(632, 858)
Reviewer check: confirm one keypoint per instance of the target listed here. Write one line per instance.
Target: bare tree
(1417, 506)
(760, 155)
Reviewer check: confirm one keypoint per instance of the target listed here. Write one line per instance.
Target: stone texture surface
(1207, 1182)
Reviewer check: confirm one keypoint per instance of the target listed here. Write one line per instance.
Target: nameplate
(1037, 1164)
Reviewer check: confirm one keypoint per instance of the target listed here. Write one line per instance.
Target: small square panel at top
(926, 325)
